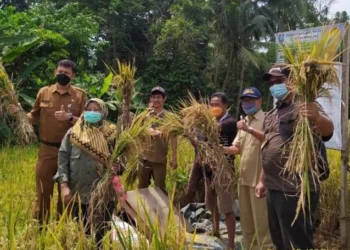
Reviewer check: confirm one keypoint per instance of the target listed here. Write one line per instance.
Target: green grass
(19, 231)
(17, 194)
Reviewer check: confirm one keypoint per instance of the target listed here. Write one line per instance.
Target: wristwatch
(70, 117)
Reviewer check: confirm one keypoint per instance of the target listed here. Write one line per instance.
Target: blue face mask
(279, 91)
(92, 117)
(249, 108)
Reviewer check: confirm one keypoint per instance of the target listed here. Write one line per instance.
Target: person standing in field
(196, 173)
(253, 210)
(57, 107)
(83, 160)
(154, 155)
(219, 196)
(282, 189)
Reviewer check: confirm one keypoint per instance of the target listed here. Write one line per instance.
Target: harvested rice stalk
(199, 117)
(22, 127)
(312, 74)
(127, 148)
(193, 118)
(172, 125)
(125, 81)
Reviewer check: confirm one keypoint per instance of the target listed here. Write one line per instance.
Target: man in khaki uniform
(248, 141)
(56, 108)
(154, 156)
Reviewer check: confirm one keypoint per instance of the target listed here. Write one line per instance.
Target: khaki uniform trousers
(147, 170)
(254, 222)
(46, 168)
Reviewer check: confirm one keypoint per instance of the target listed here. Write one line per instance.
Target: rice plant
(19, 231)
(127, 149)
(312, 72)
(125, 81)
(193, 120)
(23, 129)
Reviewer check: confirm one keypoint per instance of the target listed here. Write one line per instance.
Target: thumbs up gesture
(62, 115)
(242, 124)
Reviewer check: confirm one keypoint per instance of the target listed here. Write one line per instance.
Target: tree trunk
(241, 80)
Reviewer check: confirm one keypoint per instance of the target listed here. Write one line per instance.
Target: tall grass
(19, 231)
(329, 209)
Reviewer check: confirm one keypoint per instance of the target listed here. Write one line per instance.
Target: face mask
(279, 91)
(249, 108)
(62, 79)
(92, 117)
(216, 112)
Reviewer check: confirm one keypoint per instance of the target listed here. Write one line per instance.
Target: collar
(223, 118)
(155, 113)
(285, 102)
(258, 116)
(69, 91)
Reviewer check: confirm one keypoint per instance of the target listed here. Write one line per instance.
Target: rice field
(19, 231)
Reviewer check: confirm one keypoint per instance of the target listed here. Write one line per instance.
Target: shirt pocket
(46, 107)
(269, 123)
(286, 126)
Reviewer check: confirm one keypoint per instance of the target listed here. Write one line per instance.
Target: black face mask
(62, 79)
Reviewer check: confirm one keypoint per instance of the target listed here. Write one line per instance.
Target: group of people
(77, 143)
(267, 194)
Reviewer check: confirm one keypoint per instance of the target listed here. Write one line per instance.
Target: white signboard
(332, 106)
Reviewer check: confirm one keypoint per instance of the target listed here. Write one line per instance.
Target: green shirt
(77, 168)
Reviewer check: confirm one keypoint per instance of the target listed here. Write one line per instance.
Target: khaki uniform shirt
(250, 163)
(157, 150)
(48, 101)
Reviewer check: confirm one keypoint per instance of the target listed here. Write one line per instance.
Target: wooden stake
(344, 227)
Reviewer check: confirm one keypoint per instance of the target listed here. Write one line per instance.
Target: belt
(51, 144)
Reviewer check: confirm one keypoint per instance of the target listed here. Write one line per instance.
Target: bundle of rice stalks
(130, 143)
(125, 81)
(196, 122)
(22, 127)
(127, 149)
(312, 74)
(172, 125)
(198, 117)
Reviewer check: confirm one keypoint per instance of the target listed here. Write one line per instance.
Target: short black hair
(220, 95)
(158, 93)
(67, 64)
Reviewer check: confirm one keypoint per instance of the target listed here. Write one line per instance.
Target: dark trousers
(281, 212)
(81, 213)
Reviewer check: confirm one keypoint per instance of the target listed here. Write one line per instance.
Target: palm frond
(248, 57)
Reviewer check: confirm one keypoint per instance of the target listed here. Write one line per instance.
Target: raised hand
(242, 124)
(62, 115)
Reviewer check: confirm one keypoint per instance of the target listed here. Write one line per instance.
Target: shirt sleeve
(321, 111)
(82, 104)
(237, 140)
(35, 112)
(64, 153)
